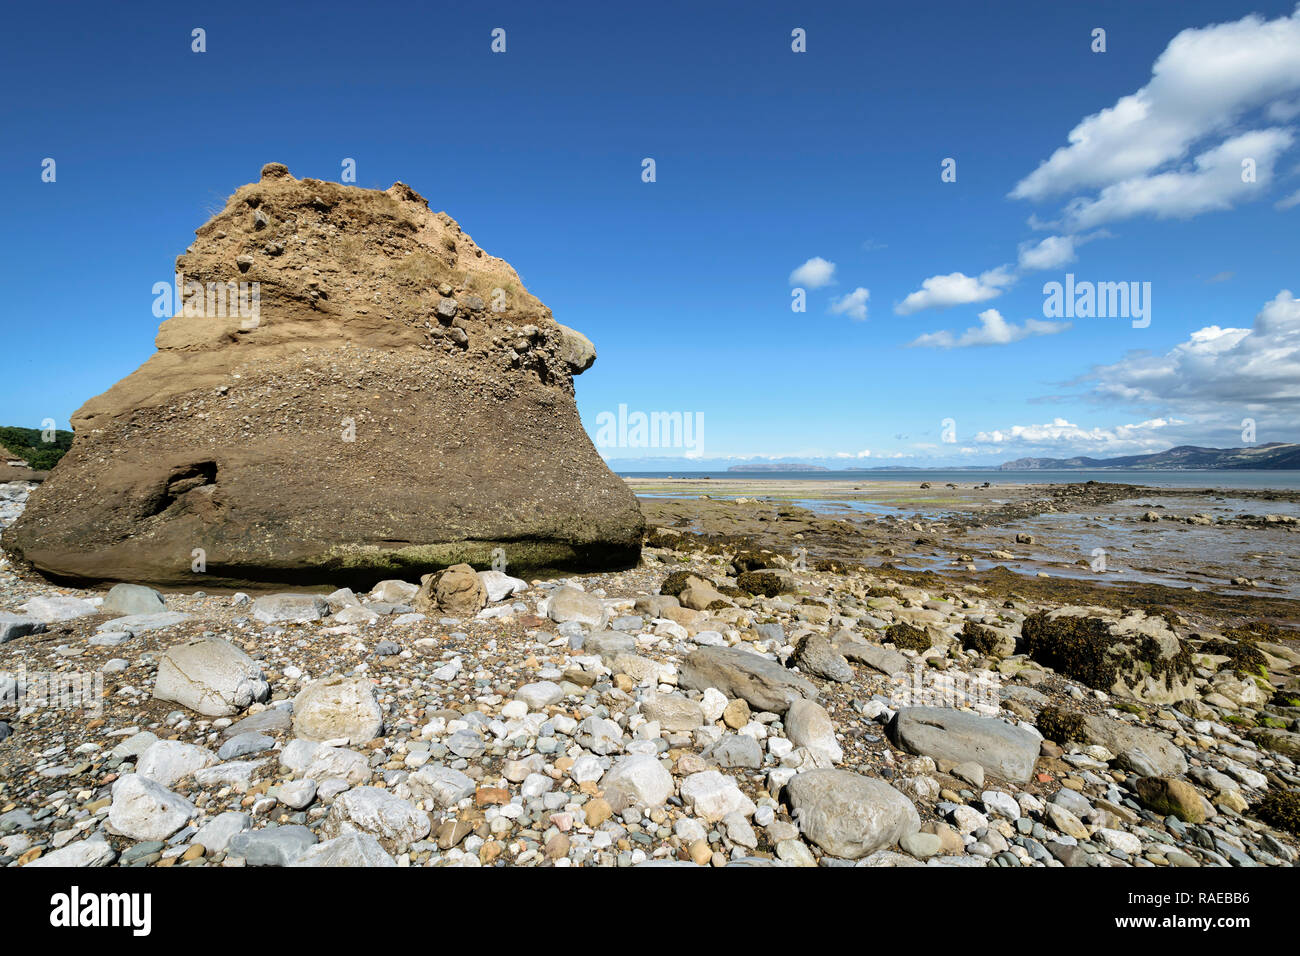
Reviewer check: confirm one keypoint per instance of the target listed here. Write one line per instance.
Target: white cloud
(865, 453)
(1048, 254)
(1214, 181)
(1206, 81)
(992, 330)
(1065, 439)
(1290, 202)
(1218, 371)
(1054, 251)
(854, 304)
(814, 273)
(956, 288)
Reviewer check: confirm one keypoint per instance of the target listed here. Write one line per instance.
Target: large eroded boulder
(387, 401)
(1133, 656)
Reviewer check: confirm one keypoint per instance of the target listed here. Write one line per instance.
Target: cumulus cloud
(1205, 81)
(992, 330)
(854, 304)
(1174, 148)
(865, 453)
(814, 273)
(1054, 251)
(956, 288)
(1256, 369)
(1214, 181)
(1064, 438)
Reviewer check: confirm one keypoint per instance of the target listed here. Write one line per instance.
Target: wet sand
(1203, 547)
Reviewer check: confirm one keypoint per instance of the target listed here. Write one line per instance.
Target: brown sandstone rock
(457, 591)
(397, 404)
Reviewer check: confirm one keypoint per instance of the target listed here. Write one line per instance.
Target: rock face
(849, 815)
(947, 734)
(392, 403)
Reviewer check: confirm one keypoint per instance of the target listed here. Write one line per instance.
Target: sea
(1233, 479)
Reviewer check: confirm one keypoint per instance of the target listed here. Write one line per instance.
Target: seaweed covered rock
(699, 594)
(907, 637)
(988, 641)
(1134, 656)
(1281, 809)
(764, 583)
(678, 581)
(1061, 726)
(1243, 658)
(755, 561)
(349, 389)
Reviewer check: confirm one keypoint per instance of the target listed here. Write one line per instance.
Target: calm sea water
(1282, 480)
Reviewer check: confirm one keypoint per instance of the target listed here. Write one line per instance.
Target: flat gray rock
(289, 608)
(736, 750)
(58, 608)
(1146, 752)
(274, 846)
(815, 655)
(883, 659)
(763, 684)
(944, 733)
(18, 625)
(110, 639)
(132, 599)
(94, 851)
(610, 644)
(273, 720)
(140, 623)
(215, 835)
(245, 744)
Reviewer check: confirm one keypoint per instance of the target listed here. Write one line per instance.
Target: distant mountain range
(1275, 456)
(776, 466)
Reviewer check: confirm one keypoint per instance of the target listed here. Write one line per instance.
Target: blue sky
(765, 159)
